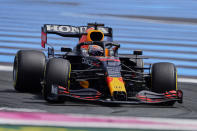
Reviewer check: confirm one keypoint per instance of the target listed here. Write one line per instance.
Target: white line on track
(6, 68)
(184, 80)
(20, 109)
(187, 80)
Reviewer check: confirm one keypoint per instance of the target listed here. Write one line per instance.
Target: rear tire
(164, 78)
(28, 70)
(57, 73)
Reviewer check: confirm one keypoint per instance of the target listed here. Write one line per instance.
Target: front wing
(142, 97)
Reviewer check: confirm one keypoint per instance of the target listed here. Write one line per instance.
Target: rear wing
(71, 31)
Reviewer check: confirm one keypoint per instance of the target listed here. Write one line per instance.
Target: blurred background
(164, 30)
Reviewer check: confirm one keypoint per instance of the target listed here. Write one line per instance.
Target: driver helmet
(95, 50)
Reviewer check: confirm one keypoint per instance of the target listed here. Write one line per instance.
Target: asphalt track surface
(15, 101)
(166, 31)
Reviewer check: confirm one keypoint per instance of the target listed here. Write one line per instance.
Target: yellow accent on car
(16, 73)
(69, 79)
(116, 84)
(84, 84)
(106, 52)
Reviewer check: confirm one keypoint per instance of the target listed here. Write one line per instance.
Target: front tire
(57, 73)
(164, 78)
(28, 70)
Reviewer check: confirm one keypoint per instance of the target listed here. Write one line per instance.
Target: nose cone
(116, 84)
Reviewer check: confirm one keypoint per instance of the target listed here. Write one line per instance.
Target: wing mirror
(63, 49)
(137, 52)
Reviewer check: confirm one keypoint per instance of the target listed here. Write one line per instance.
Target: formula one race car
(94, 71)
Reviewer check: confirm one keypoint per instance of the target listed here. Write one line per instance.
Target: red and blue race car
(94, 71)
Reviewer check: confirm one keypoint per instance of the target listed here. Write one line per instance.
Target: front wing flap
(152, 97)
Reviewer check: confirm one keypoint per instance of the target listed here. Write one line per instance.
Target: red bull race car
(94, 71)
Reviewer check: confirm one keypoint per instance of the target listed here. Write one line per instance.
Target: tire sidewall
(28, 70)
(164, 77)
(57, 72)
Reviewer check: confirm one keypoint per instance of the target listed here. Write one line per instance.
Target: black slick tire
(164, 78)
(57, 73)
(28, 70)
